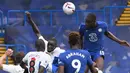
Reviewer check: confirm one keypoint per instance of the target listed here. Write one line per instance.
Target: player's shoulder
(63, 54)
(84, 52)
(102, 23)
(82, 26)
(59, 50)
(32, 52)
(44, 53)
(29, 53)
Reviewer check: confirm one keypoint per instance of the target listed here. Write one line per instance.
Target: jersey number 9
(76, 64)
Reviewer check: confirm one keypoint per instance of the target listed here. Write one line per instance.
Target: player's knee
(100, 63)
(100, 66)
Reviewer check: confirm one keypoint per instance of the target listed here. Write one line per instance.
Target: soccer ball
(68, 8)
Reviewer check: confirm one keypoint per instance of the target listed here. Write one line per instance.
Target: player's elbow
(107, 33)
(22, 64)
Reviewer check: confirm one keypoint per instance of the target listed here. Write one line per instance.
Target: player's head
(40, 45)
(74, 40)
(90, 20)
(18, 57)
(52, 44)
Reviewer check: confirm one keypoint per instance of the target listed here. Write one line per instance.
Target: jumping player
(38, 60)
(75, 60)
(92, 33)
(50, 45)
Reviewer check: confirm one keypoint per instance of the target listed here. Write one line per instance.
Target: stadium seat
(124, 18)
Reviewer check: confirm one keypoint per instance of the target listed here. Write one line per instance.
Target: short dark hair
(18, 57)
(40, 45)
(91, 16)
(74, 38)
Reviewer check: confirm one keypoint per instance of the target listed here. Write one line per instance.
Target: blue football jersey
(75, 61)
(93, 37)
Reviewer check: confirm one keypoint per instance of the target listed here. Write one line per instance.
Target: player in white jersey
(12, 68)
(50, 45)
(36, 61)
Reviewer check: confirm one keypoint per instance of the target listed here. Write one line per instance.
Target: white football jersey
(13, 68)
(35, 59)
(54, 57)
(54, 54)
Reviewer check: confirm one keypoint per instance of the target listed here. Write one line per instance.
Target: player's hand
(9, 52)
(28, 14)
(124, 43)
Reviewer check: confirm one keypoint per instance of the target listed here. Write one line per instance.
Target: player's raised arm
(32, 23)
(114, 38)
(2, 58)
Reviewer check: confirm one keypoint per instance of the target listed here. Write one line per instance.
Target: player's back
(33, 60)
(74, 61)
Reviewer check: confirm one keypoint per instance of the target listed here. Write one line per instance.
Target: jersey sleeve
(25, 59)
(89, 60)
(60, 60)
(45, 61)
(81, 29)
(105, 26)
(58, 51)
(8, 68)
(41, 37)
(13, 68)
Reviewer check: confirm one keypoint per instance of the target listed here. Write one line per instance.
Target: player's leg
(100, 63)
(98, 58)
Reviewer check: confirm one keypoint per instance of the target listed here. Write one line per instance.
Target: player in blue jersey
(92, 33)
(75, 60)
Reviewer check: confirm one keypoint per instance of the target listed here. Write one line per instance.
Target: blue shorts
(96, 55)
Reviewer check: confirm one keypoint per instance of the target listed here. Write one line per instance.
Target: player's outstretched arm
(23, 65)
(32, 23)
(114, 38)
(7, 53)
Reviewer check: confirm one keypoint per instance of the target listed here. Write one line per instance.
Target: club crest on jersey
(100, 30)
